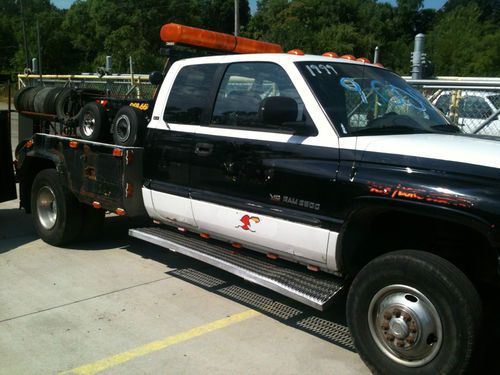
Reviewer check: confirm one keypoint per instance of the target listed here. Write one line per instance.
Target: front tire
(57, 214)
(413, 312)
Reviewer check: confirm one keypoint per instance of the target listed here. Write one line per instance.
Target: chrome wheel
(123, 128)
(46, 206)
(405, 325)
(88, 125)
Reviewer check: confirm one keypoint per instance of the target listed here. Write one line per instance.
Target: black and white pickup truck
(336, 167)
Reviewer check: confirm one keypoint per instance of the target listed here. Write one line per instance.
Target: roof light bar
(175, 33)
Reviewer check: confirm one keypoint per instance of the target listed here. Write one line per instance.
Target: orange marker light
(96, 204)
(236, 245)
(73, 144)
(117, 152)
(175, 33)
(120, 211)
(29, 144)
(348, 57)
(363, 59)
(204, 235)
(310, 267)
(330, 54)
(272, 256)
(297, 52)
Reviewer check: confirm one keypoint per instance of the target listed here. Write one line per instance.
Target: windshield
(364, 100)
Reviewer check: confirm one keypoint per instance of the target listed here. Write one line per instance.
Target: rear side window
(189, 94)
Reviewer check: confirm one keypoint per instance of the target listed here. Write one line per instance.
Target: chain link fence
(471, 103)
(119, 86)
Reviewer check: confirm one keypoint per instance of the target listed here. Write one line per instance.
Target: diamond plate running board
(313, 289)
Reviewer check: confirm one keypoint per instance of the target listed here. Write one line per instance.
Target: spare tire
(49, 105)
(18, 98)
(39, 100)
(67, 105)
(93, 122)
(28, 99)
(129, 126)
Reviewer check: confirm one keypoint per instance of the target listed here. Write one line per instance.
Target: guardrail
(119, 85)
(471, 102)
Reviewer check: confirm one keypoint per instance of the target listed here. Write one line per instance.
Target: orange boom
(175, 33)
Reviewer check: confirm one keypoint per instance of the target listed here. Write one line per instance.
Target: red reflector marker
(73, 144)
(117, 152)
(204, 235)
(272, 256)
(310, 267)
(29, 144)
(120, 211)
(96, 204)
(236, 245)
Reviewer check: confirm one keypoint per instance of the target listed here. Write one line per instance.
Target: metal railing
(119, 85)
(473, 103)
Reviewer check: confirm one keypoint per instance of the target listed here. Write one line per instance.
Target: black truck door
(7, 180)
(170, 144)
(258, 178)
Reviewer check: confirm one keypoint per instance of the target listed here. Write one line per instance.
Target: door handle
(203, 149)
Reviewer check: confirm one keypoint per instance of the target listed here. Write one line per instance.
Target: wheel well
(31, 167)
(372, 233)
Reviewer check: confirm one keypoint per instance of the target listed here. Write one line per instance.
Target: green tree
(462, 44)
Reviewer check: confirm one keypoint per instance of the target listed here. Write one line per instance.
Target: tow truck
(305, 174)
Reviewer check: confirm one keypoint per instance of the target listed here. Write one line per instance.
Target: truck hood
(460, 153)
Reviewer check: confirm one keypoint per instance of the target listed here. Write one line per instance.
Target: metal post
(34, 65)
(376, 56)
(236, 17)
(416, 66)
(25, 39)
(39, 49)
(109, 64)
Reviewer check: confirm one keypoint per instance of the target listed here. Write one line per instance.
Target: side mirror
(282, 111)
(156, 78)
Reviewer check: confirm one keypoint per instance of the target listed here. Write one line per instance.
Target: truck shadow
(329, 325)
(16, 229)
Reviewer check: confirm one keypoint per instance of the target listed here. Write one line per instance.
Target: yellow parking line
(105, 363)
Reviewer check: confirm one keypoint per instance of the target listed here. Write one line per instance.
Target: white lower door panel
(172, 208)
(266, 232)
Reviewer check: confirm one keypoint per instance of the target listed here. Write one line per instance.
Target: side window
(248, 90)
(189, 93)
(474, 107)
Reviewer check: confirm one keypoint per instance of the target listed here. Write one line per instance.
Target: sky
(436, 4)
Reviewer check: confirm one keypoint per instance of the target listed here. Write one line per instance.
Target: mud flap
(7, 179)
